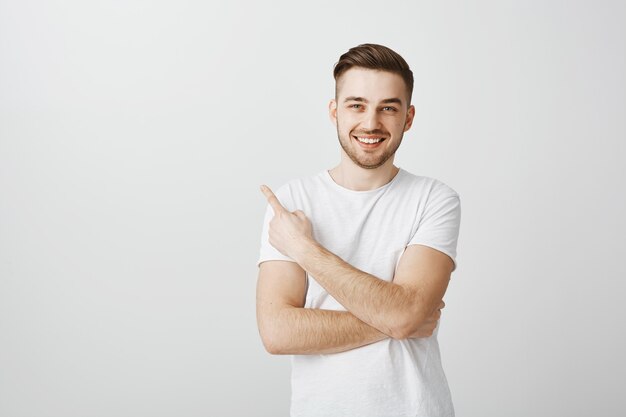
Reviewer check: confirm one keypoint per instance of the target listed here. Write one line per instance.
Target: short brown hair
(375, 57)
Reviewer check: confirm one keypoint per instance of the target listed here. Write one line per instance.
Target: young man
(355, 261)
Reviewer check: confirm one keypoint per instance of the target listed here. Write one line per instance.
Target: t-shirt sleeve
(439, 224)
(267, 251)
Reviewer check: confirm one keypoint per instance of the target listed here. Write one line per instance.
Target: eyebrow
(363, 100)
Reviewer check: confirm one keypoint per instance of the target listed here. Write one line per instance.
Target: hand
(428, 327)
(289, 232)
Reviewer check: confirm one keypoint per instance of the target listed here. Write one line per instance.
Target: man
(355, 261)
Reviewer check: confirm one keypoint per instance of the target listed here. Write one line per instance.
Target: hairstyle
(375, 57)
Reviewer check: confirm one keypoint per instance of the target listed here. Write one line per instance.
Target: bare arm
(397, 308)
(288, 328)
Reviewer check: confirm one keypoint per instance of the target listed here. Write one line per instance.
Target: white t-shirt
(370, 230)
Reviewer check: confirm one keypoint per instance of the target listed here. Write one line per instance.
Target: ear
(410, 115)
(332, 111)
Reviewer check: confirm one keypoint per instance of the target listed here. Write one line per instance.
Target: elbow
(272, 340)
(272, 346)
(274, 333)
(272, 349)
(408, 326)
(400, 332)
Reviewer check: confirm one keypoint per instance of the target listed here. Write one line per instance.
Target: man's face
(371, 112)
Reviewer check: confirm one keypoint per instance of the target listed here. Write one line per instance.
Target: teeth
(368, 140)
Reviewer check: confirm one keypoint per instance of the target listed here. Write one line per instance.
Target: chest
(368, 234)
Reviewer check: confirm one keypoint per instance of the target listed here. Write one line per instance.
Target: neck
(355, 178)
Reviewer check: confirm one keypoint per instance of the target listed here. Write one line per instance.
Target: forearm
(302, 331)
(398, 308)
(383, 305)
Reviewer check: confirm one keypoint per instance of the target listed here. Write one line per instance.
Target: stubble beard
(384, 157)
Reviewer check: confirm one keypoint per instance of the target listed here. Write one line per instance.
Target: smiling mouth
(369, 140)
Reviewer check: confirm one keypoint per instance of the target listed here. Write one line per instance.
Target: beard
(367, 160)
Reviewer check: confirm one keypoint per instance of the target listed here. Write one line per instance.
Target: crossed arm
(409, 306)
(288, 328)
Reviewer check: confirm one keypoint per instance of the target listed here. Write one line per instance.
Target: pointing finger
(272, 199)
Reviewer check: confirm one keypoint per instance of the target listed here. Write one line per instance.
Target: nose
(370, 120)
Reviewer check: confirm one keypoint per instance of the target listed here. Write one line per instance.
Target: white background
(133, 138)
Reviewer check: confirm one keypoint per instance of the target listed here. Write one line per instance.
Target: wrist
(305, 250)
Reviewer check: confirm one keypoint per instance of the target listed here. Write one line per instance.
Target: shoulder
(292, 192)
(300, 183)
(428, 187)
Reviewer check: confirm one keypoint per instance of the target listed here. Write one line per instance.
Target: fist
(289, 232)
(430, 324)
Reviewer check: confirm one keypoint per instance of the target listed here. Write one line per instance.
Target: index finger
(272, 199)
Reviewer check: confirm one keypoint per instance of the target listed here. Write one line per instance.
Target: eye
(355, 106)
(389, 109)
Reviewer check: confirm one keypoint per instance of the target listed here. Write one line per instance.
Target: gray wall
(133, 138)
